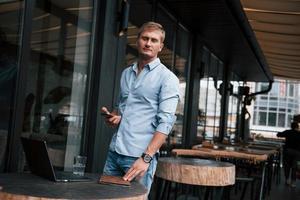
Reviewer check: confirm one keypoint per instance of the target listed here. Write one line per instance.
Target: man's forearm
(156, 142)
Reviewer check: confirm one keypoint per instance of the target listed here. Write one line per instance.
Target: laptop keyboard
(68, 175)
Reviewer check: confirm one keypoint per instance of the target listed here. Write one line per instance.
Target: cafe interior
(61, 61)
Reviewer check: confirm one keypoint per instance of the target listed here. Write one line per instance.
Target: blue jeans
(117, 165)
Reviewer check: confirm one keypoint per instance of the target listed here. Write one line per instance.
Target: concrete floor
(279, 191)
(284, 192)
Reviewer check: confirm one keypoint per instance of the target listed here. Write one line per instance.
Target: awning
(225, 30)
(276, 24)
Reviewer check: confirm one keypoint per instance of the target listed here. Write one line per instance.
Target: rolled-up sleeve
(168, 100)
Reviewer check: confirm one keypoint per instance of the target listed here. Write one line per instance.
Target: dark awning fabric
(227, 33)
(276, 24)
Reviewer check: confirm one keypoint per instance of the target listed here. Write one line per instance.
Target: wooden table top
(196, 171)
(251, 148)
(226, 152)
(21, 186)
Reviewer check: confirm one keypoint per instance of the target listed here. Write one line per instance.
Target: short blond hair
(153, 26)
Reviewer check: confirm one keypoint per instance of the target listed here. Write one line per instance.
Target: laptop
(40, 164)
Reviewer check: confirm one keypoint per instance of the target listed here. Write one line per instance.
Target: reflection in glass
(232, 115)
(167, 54)
(202, 111)
(141, 8)
(209, 108)
(180, 70)
(56, 79)
(10, 18)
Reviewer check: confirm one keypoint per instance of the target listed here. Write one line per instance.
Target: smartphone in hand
(106, 114)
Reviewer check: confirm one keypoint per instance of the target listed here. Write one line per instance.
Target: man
(291, 152)
(145, 113)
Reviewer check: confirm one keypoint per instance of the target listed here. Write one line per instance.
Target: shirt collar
(153, 64)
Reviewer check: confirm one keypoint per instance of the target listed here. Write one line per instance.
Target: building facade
(61, 61)
(273, 112)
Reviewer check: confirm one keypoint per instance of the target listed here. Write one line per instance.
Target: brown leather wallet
(116, 180)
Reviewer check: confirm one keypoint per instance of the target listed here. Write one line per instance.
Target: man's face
(149, 44)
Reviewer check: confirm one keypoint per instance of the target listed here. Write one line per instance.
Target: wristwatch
(147, 158)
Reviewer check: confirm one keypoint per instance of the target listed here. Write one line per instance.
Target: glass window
(281, 119)
(297, 89)
(272, 119)
(167, 54)
(209, 98)
(281, 109)
(264, 97)
(232, 115)
(291, 89)
(264, 86)
(297, 106)
(10, 22)
(57, 76)
(217, 111)
(289, 119)
(255, 118)
(180, 70)
(262, 118)
(211, 109)
(290, 105)
(142, 9)
(233, 106)
(282, 103)
(282, 88)
(275, 89)
(202, 108)
(263, 103)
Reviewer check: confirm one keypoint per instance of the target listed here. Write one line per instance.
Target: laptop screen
(37, 158)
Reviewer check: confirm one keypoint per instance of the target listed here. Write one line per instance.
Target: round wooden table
(24, 186)
(196, 171)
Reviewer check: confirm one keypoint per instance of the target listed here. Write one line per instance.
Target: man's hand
(111, 118)
(137, 170)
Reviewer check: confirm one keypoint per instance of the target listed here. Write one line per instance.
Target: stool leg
(168, 189)
(244, 190)
(217, 193)
(161, 191)
(252, 190)
(207, 191)
(176, 190)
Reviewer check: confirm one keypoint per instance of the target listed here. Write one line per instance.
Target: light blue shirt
(147, 104)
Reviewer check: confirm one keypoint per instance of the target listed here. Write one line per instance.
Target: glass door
(57, 76)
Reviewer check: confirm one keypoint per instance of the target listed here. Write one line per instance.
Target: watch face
(147, 158)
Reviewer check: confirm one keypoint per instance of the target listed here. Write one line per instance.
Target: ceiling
(276, 24)
(257, 39)
(226, 32)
